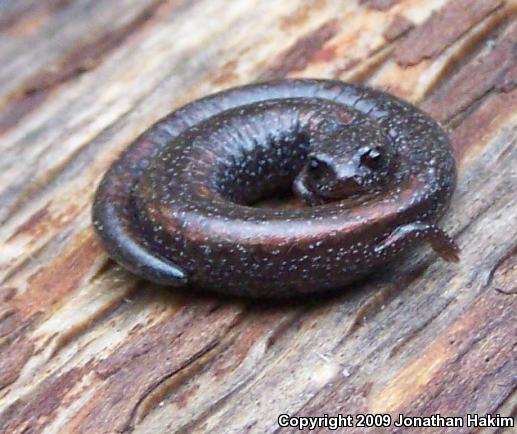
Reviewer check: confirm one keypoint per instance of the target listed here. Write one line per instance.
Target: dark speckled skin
(175, 207)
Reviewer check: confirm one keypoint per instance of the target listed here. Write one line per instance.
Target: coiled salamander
(376, 172)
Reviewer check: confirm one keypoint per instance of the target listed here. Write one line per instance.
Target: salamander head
(356, 161)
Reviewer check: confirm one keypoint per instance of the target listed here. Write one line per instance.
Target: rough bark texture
(85, 347)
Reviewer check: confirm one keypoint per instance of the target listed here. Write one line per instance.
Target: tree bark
(85, 347)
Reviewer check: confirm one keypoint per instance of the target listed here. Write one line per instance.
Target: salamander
(375, 174)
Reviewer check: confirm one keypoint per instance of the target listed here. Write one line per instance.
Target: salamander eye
(316, 167)
(372, 158)
(314, 163)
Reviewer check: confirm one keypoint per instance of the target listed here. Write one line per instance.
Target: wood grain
(87, 348)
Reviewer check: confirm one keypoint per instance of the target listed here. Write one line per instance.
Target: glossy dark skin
(375, 172)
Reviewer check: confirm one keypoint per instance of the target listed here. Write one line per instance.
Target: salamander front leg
(441, 243)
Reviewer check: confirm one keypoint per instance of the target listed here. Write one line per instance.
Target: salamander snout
(351, 164)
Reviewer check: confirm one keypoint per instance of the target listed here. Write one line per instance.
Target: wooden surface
(86, 347)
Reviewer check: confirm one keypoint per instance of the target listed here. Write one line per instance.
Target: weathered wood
(85, 347)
